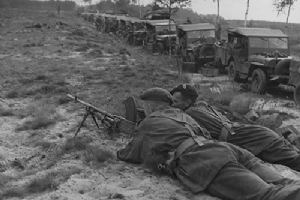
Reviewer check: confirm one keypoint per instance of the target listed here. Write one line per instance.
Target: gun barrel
(76, 99)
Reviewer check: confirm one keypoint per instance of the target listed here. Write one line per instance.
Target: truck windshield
(268, 43)
(201, 34)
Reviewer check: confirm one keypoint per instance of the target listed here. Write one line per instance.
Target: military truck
(136, 31)
(161, 36)
(196, 45)
(260, 55)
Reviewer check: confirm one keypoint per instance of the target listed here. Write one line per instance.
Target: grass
(90, 152)
(94, 153)
(241, 103)
(4, 179)
(76, 144)
(42, 115)
(216, 95)
(4, 111)
(47, 182)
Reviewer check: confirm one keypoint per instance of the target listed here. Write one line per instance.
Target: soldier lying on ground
(170, 140)
(261, 141)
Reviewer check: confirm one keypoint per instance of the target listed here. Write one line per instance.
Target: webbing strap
(183, 146)
(226, 124)
(198, 139)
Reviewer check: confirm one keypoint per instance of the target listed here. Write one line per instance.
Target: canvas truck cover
(160, 22)
(196, 27)
(258, 32)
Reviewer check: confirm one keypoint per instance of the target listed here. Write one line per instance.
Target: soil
(42, 58)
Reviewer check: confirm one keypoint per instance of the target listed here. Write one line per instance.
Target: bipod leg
(82, 122)
(95, 120)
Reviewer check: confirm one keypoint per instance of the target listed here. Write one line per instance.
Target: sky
(235, 9)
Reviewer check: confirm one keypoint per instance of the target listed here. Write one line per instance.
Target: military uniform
(261, 141)
(221, 169)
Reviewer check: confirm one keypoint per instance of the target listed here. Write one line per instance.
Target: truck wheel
(259, 81)
(297, 94)
(232, 72)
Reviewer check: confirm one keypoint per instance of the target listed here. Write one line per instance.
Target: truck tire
(232, 72)
(297, 94)
(259, 81)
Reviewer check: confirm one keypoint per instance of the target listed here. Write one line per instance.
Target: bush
(48, 182)
(42, 116)
(76, 143)
(12, 94)
(4, 111)
(4, 179)
(94, 153)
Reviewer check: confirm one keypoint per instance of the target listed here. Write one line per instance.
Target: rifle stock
(113, 122)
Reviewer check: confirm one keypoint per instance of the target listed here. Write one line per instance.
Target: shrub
(76, 143)
(94, 153)
(12, 94)
(4, 111)
(43, 115)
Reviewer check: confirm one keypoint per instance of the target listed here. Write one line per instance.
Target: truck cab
(196, 44)
(161, 35)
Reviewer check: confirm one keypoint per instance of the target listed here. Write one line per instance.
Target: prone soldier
(259, 140)
(171, 141)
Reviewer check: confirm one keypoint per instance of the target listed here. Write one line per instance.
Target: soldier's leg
(267, 145)
(282, 152)
(256, 165)
(235, 182)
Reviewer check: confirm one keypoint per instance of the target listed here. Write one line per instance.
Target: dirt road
(42, 58)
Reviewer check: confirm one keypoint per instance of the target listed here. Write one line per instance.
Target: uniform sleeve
(132, 152)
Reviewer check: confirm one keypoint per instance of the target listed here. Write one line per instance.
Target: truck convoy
(258, 56)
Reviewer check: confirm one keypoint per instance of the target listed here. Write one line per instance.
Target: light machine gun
(113, 123)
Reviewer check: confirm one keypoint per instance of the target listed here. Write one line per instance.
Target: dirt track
(42, 58)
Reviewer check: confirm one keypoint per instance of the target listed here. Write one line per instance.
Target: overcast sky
(235, 9)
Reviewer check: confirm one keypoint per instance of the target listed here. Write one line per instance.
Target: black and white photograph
(150, 99)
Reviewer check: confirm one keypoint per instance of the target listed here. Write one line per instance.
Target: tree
(246, 13)
(282, 5)
(218, 11)
(122, 5)
(173, 3)
(87, 1)
(218, 31)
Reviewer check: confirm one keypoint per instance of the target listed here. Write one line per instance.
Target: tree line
(173, 6)
(28, 4)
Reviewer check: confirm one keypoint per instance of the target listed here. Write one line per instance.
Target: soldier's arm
(132, 152)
